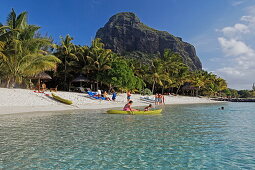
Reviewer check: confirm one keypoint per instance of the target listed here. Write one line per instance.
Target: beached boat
(147, 99)
(56, 97)
(150, 112)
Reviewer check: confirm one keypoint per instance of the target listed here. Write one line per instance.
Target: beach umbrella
(41, 76)
(81, 79)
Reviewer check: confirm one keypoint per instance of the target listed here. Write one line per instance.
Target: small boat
(147, 99)
(56, 97)
(150, 112)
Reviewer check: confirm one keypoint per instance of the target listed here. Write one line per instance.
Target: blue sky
(221, 30)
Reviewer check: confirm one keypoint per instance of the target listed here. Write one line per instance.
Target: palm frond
(21, 22)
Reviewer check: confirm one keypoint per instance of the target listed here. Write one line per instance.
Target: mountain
(126, 35)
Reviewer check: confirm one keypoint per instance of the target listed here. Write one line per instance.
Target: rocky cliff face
(125, 34)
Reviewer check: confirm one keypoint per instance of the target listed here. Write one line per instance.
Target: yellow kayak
(150, 112)
(61, 99)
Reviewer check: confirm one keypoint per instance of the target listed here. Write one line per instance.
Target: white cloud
(232, 47)
(240, 72)
(237, 3)
(249, 19)
(235, 30)
(236, 44)
(238, 78)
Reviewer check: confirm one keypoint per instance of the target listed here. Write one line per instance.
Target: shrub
(146, 92)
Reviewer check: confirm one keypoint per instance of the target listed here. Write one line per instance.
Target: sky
(222, 31)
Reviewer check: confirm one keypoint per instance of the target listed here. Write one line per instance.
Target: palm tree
(180, 80)
(15, 25)
(156, 72)
(66, 52)
(198, 80)
(22, 53)
(82, 53)
(99, 60)
(175, 68)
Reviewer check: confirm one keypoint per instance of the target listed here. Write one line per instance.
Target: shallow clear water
(184, 137)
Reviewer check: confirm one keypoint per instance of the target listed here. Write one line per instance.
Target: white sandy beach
(22, 100)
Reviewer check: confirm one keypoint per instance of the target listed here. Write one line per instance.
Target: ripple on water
(191, 136)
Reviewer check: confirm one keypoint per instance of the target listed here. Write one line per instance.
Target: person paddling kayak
(127, 107)
(148, 107)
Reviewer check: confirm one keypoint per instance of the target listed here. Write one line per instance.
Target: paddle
(132, 113)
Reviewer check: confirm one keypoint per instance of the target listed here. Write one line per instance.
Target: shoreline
(9, 110)
(15, 101)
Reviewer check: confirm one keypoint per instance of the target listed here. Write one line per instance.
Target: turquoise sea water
(184, 137)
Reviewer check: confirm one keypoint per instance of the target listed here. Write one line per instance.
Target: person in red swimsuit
(127, 107)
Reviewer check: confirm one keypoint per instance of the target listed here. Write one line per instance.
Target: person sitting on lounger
(127, 107)
(148, 108)
(44, 87)
(99, 93)
(105, 96)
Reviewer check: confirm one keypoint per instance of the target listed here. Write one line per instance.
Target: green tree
(155, 74)
(244, 93)
(175, 70)
(23, 52)
(121, 76)
(99, 59)
(66, 51)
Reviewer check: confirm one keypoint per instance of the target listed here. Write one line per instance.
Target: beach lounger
(93, 96)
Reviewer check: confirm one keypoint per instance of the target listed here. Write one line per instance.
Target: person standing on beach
(162, 99)
(128, 96)
(156, 99)
(114, 95)
(159, 99)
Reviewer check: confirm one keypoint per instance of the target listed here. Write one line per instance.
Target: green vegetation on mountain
(126, 35)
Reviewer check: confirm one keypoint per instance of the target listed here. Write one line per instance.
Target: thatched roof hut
(42, 76)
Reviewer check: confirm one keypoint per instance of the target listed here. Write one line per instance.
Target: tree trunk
(162, 90)
(153, 86)
(97, 85)
(91, 87)
(65, 84)
(69, 85)
(110, 88)
(8, 83)
(178, 90)
(39, 82)
(11, 83)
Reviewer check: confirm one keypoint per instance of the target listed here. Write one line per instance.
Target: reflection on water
(186, 136)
